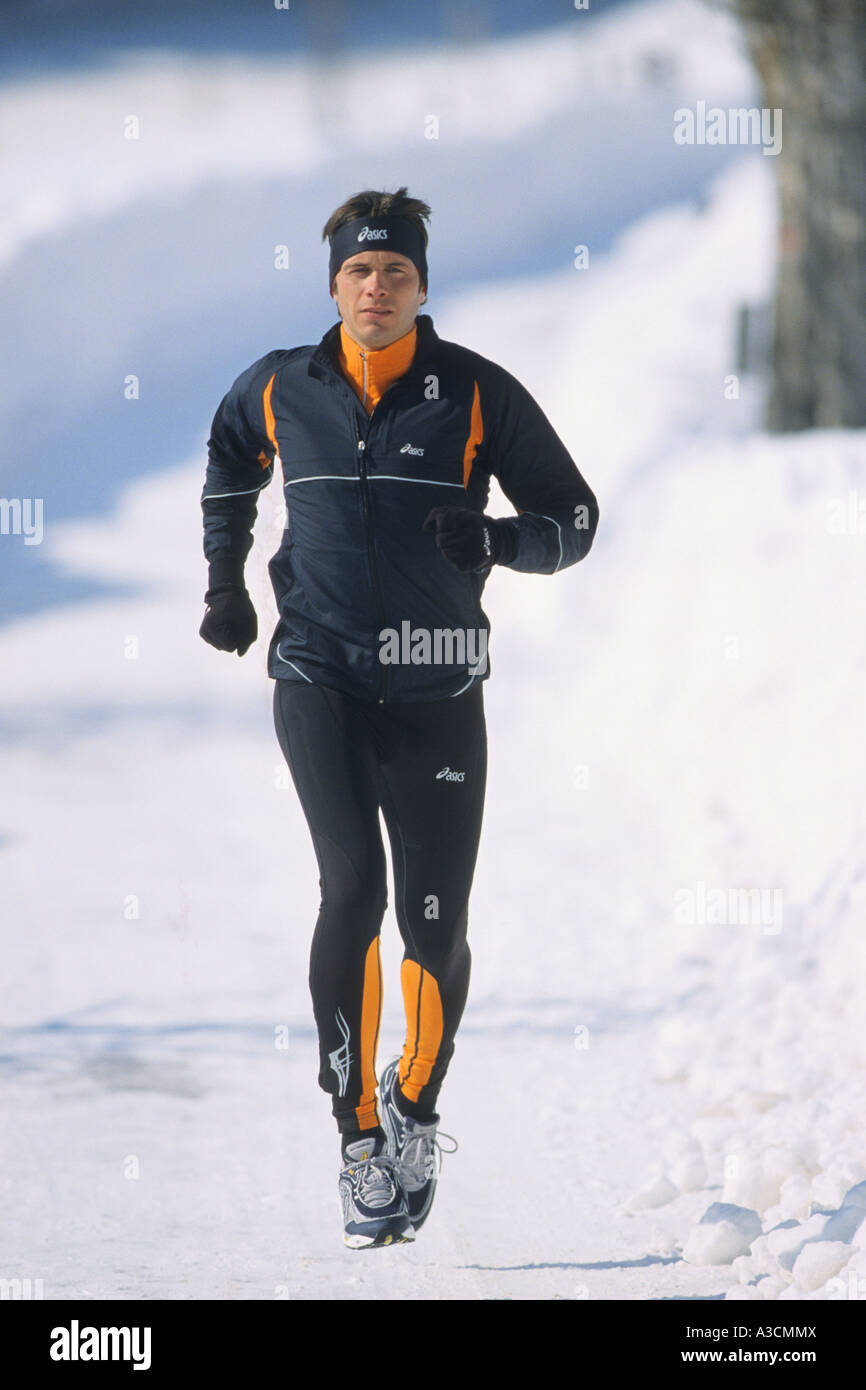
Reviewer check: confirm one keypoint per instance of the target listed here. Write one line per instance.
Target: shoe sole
(379, 1242)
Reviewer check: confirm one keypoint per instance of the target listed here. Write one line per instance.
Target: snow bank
(770, 1044)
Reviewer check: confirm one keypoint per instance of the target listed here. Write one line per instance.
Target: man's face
(378, 294)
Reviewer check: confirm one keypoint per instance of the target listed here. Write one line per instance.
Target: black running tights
(425, 764)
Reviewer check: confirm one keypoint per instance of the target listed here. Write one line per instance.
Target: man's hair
(377, 203)
(373, 203)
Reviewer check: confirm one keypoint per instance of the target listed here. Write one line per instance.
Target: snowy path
(235, 1199)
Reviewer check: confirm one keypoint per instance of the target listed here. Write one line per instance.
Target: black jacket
(354, 563)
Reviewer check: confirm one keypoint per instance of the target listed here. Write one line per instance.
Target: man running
(387, 437)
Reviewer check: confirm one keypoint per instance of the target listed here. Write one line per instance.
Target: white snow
(723, 1234)
(673, 725)
(818, 1262)
(657, 1191)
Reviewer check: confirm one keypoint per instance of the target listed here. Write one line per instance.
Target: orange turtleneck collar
(372, 370)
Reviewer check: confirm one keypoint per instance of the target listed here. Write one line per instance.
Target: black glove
(470, 540)
(230, 623)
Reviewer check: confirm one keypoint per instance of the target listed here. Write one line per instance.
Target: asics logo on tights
(447, 775)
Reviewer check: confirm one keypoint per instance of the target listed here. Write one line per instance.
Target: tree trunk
(811, 57)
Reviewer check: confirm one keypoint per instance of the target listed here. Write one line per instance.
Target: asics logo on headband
(372, 234)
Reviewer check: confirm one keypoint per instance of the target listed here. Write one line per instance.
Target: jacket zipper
(362, 469)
